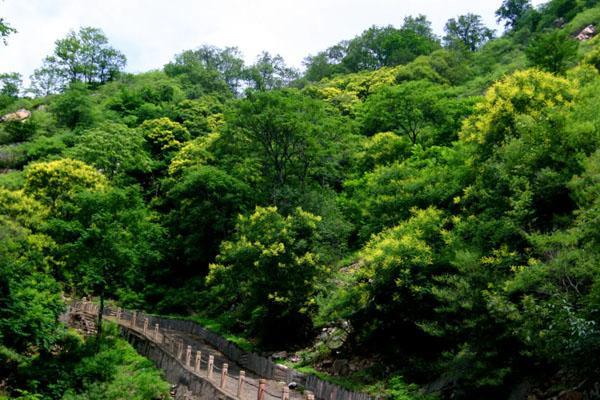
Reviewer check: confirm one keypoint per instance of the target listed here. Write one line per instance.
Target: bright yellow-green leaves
(194, 152)
(21, 208)
(531, 92)
(49, 182)
(268, 271)
(164, 135)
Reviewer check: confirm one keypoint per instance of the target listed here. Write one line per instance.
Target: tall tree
(208, 70)
(83, 56)
(467, 31)
(270, 72)
(552, 51)
(10, 84)
(511, 12)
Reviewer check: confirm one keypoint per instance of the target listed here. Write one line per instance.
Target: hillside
(412, 216)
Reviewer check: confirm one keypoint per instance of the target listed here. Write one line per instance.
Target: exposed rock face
(19, 115)
(587, 33)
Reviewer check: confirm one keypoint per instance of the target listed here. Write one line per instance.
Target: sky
(151, 32)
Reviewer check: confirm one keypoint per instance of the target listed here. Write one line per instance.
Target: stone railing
(259, 379)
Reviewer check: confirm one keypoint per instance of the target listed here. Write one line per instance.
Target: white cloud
(150, 32)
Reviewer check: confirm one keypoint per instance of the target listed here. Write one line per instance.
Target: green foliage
(74, 109)
(30, 300)
(434, 210)
(204, 202)
(383, 197)
(269, 72)
(283, 142)
(113, 149)
(107, 241)
(392, 289)
(208, 70)
(56, 181)
(84, 56)
(375, 48)
(467, 31)
(512, 11)
(5, 30)
(409, 109)
(552, 51)
(267, 274)
(164, 136)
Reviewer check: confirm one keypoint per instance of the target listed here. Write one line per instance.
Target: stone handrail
(166, 333)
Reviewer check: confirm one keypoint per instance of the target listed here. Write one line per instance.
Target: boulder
(587, 33)
(19, 115)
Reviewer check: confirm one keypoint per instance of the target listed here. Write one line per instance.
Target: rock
(341, 367)
(294, 358)
(587, 33)
(280, 354)
(292, 385)
(570, 395)
(19, 115)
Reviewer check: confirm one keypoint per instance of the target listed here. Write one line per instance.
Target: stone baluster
(241, 381)
(156, 332)
(145, 326)
(188, 356)
(133, 319)
(224, 369)
(198, 361)
(211, 363)
(262, 389)
(285, 395)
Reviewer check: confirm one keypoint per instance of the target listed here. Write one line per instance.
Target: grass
(220, 328)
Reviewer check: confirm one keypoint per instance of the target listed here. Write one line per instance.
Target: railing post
(224, 369)
(241, 381)
(286, 393)
(179, 350)
(118, 315)
(145, 325)
(262, 388)
(156, 329)
(211, 363)
(198, 360)
(310, 396)
(333, 395)
(133, 319)
(188, 356)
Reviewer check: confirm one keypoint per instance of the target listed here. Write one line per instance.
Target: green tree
(267, 274)
(391, 290)
(84, 56)
(202, 205)
(5, 30)
(30, 301)
(270, 72)
(467, 31)
(164, 136)
(108, 241)
(114, 149)
(74, 108)
(10, 84)
(511, 11)
(56, 182)
(406, 109)
(552, 52)
(206, 69)
(283, 141)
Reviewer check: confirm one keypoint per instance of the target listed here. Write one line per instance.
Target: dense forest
(422, 207)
